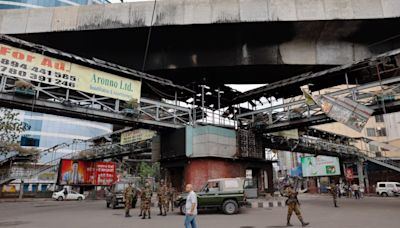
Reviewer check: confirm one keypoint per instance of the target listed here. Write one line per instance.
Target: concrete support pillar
(360, 171)
(21, 189)
(367, 188)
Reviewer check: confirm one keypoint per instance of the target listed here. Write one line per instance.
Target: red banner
(77, 172)
(349, 174)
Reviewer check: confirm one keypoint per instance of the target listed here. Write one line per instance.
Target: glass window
(120, 187)
(379, 119)
(381, 185)
(43, 188)
(26, 187)
(381, 132)
(371, 132)
(373, 148)
(34, 188)
(398, 185)
(29, 140)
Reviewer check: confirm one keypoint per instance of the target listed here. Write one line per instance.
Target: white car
(388, 188)
(72, 195)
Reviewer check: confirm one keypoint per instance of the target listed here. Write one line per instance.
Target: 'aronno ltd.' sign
(30, 66)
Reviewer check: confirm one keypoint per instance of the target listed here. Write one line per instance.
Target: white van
(388, 189)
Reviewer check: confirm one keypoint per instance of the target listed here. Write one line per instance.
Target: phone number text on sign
(15, 68)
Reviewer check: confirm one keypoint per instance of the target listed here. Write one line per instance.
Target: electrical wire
(149, 37)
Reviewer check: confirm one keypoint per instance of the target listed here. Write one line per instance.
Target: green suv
(226, 194)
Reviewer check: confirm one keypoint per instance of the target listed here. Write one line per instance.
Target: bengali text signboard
(136, 136)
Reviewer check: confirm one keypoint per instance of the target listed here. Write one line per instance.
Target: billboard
(345, 111)
(320, 166)
(136, 136)
(78, 172)
(30, 66)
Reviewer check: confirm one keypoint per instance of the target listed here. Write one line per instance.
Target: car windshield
(398, 185)
(120, 187)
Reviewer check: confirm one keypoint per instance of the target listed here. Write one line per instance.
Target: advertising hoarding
(30, 66)
(136, 136)
(345, 111)
(320, 166)
(77, 172)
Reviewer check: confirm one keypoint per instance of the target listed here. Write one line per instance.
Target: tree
(148, 170)
(11, 128)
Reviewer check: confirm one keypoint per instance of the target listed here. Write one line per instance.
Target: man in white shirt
(190, 208)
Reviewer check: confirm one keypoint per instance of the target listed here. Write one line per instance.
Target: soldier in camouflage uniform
(146, 199)
(170, 198)
(162, 194)
(293, 206)
(128, 194)
(334, 191)
(142, 200)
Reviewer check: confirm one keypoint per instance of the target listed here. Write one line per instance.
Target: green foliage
(147, 170)
(132, 104)
(10, 129)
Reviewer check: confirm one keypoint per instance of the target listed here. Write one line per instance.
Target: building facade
(47, 131)
(197, 154)
(24, 4)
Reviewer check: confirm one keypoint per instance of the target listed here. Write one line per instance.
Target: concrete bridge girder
(187, 12)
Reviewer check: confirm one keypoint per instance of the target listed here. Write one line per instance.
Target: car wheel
(60, 198)
(230, 207)
(80, 198)
(384, 194)
(182, 208)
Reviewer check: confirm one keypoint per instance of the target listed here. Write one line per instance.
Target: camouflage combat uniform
(170, 198)
(293, 206)
(142, 200)
(128, 194)
(146, 201)
(162, 199)
(333, 190)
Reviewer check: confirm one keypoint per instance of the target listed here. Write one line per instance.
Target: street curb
(266, 204)
(23, 200)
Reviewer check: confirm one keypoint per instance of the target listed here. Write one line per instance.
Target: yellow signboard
(15, 62)
(136, 136)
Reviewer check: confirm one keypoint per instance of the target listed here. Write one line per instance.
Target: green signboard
(320, 166)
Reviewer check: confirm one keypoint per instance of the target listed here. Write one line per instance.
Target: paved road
(370, 212)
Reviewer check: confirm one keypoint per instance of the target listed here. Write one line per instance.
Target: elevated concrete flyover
(235, 41)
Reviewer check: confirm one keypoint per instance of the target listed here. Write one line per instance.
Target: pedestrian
(147, 194)
(293, 205)
(356, 190)
(349, 191)
(162, 198)
(128, 194)
(170, 198)
(333, 190)
(65, 193)
(190, 207)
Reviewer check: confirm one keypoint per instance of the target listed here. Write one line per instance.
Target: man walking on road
(334, 191)
(190, 208)
(293, 206)
(356, 190)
